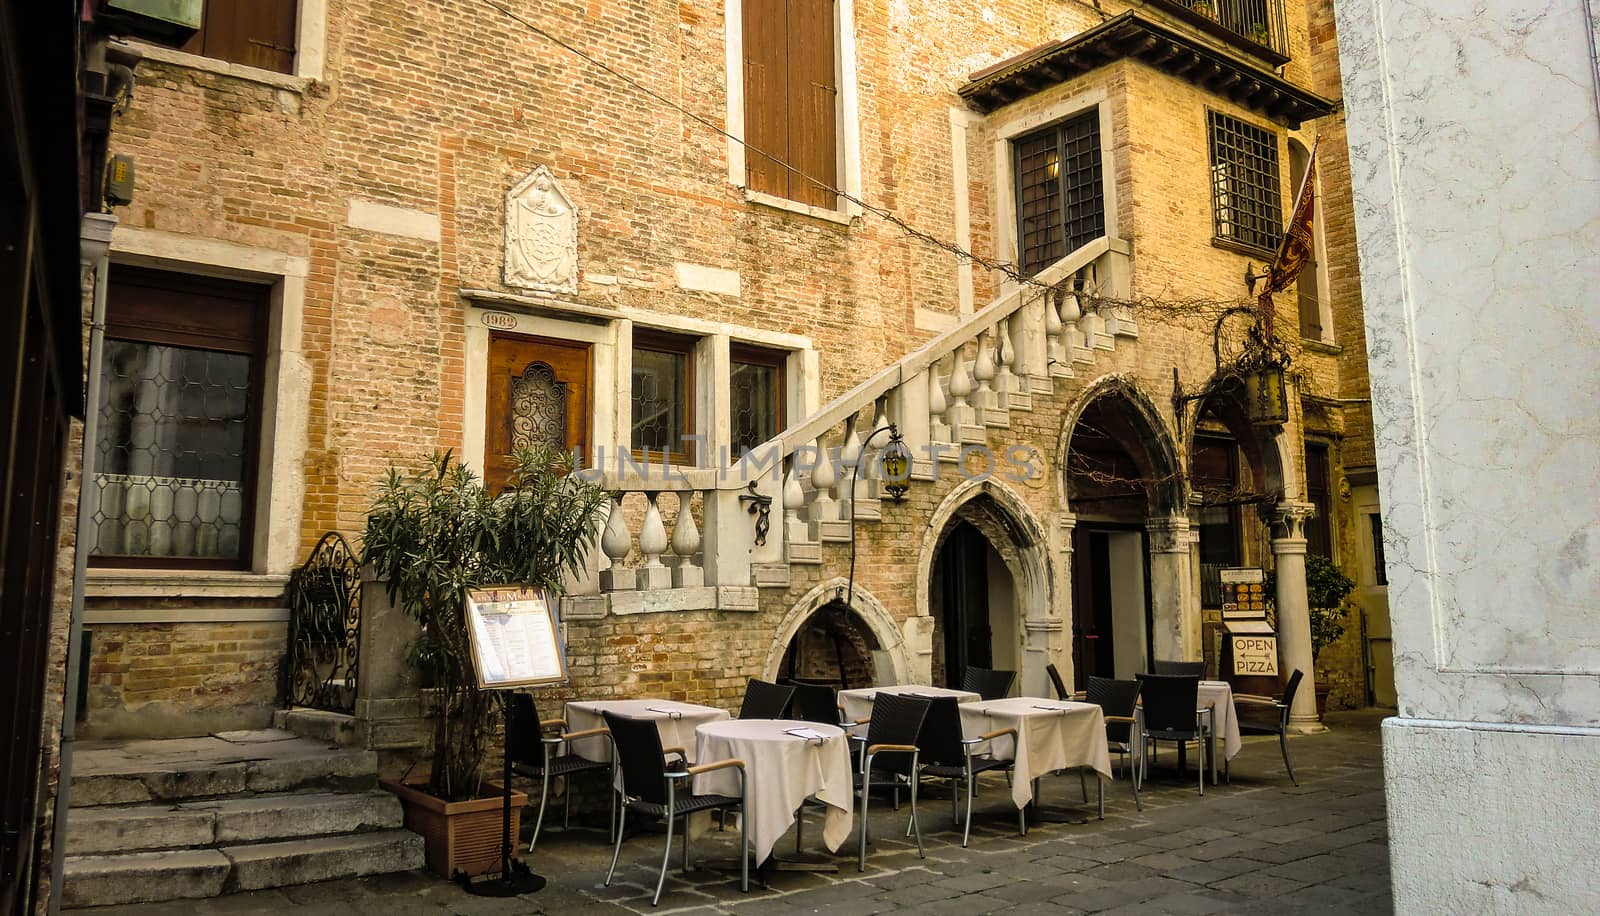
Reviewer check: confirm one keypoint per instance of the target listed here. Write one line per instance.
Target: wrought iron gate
(325, 627)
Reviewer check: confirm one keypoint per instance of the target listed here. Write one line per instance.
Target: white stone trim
(311, 45)
(106, 616)
(1008, 128)
(390, 220)
(286, 387)
(866, 606)
(110, 582)
(961, 120)
(703, 278)
(849, 112)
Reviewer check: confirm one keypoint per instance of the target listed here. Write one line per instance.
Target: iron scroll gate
(325, 628)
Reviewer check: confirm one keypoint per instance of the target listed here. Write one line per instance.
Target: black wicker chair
(814, 702)
(541, 757)
(1181, 669)
(1057, 683)
(765, 700)
(987, 682)
(947, 754)
(1117, 699)
(887, 756)
(652, 787)
(1171, 713)
(1266, 716)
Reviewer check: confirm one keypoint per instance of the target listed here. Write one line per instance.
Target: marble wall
(1475, 155)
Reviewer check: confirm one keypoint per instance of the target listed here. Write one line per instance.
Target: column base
(1305, 726)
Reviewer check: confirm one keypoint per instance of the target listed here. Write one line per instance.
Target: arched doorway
(834, 647)
(1122, 481)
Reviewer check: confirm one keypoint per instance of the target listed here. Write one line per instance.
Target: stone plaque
(541, 236)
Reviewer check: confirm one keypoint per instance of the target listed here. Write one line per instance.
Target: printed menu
(514, 637)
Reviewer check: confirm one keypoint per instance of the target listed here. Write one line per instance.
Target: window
(1247, 203)
(1060, 201)
(1307, 287)
(791, 93)
(180, 392)
(1319, 528)
(663, 394)
(1216, 479)
(1380, 570)
(756, 396)
(256, 33)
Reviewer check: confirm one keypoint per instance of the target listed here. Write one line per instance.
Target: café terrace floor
(1255, 845)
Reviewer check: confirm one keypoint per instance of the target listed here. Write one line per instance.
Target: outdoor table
(857, 703)
(1052, 735)
(783, 770)
(676, 722)
(1218, 697)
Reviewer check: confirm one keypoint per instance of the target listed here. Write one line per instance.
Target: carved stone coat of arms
(541, 235)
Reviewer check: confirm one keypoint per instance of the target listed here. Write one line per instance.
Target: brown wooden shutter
(256, 33)
(813, 95)
(766, 95)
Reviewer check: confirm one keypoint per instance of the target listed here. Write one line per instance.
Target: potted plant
(1259, 34)
(1327, 593)
(1204, 8)
(431, 536)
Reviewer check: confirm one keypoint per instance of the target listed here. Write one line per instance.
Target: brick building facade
(430, 195)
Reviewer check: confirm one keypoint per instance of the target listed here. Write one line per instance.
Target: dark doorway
(1093, 639)
(963, 573)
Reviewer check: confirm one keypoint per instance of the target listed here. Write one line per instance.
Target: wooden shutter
(256, 33)
(766, 94)
(813, 95)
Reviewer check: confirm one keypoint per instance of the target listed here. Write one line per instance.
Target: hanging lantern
(896, 460)
(1265, 395)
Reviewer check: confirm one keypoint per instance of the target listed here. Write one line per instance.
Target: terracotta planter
(460, 837)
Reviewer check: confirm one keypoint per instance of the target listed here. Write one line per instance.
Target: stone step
(146, 877)
(176, 770)
(318, 725)
(134, 828)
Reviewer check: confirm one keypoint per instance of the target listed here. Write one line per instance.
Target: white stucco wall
(1475, 148)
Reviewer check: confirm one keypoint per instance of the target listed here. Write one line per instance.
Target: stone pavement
(1255, 845)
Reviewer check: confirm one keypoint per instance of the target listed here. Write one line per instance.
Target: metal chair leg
(866, 804)
(917, 828)
(744, 832)
(1100, 794)
(1283, 742)
(617, 849)
(1083, 788)
(666, 852)
(544, 798)
(966, 828)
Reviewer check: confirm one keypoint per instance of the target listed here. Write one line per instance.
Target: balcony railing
(1259, 22)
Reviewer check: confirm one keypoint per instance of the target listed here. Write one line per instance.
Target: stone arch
(1014, 530)
(865, 605)
(1271, 458)
(1169, 494)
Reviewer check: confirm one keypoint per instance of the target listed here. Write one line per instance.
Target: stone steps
(146, 877)
(199, 817)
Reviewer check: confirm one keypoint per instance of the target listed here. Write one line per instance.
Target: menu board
(514, 638)
(1243, 592)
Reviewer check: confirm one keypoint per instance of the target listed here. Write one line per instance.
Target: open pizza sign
(1255, 655)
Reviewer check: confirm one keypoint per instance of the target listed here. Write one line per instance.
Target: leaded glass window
(662, 395)
(1247, 199)
(1060, 196)
(756, 397)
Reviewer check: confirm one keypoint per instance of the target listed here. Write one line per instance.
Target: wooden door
(1093, 649)
(539, 394)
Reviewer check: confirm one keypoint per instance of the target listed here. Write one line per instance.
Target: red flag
(1298, 245)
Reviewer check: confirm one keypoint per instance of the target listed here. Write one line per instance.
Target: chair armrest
(552, 723)
(586, 733)
(681, 752)
(854, 724)
(997, 733)
(1254, 698)
(891, 748)
(1127, 719)
(1078, 695)
(717, 765)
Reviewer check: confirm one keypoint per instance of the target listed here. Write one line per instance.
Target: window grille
(1247, 200)
(1059, 194)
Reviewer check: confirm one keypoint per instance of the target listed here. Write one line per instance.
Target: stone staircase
(200, 817)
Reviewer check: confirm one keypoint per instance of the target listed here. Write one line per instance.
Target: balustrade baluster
(983, 373)
(653, 543)
(686, 573)
(1054, 357)
(823, 476)
(615, 542)
(938, 429)
(1005, 356)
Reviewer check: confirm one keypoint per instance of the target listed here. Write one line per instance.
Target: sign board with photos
(1243, 592)
(515, 637)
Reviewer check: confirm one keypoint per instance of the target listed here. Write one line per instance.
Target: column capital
(1169, 534)
(1290, 518)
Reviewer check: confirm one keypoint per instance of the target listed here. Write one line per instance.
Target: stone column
(388, 709)
(1294, 612)
(1061, 644)
(1175, 635)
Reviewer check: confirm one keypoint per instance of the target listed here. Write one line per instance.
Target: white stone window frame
(610, 336)
(281, 443)
(847, 110)
(1008, 129)
(310, 53)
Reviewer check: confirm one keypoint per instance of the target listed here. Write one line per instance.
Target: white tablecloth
(676, 722)
(1218, 697)
(857, 703)
(783, 771)
(1051, 735)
